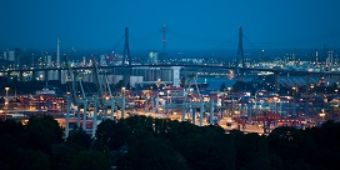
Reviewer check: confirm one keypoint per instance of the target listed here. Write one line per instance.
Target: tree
(62, 155)
(284, 141)
(111, 135)
(30, 160)
(11, 138)
(152, 154)
(42, 132)
(11, 128)
(90, 160)
(79, 139)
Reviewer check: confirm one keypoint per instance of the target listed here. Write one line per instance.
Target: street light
(295, 90)
(276, 99)
(168, 92)
(322, 114)
(123, 90)
(158, 83)
(311, 87)
(41, 77)
(7, 89)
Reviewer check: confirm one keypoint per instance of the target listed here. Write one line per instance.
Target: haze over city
(191, 24)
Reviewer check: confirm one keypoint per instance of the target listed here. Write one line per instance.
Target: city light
(7, 90)
(186, 96)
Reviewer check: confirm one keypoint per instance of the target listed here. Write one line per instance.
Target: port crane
(103, 104)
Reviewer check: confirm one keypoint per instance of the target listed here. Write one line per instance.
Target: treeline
(152, 144)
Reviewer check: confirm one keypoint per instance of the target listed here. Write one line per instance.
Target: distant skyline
(191, 24)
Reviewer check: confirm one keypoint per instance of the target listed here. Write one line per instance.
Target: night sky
(192, 24)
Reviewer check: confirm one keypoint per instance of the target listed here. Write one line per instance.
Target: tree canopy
(140, 142)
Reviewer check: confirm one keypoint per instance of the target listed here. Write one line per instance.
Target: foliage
(42, 132)
(146, 143)
(90, 160)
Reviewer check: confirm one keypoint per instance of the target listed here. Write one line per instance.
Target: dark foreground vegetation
(145, 143)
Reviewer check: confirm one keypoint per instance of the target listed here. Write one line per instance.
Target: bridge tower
(126, 55)
(240, 50)
(126, 52)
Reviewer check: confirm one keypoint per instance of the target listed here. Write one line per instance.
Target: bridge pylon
(240, 50)
(126, 55)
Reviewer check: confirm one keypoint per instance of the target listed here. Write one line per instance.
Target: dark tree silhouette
(141, 142)
(42, 132)
(90, 160)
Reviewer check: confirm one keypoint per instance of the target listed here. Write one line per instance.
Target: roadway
(198, 66)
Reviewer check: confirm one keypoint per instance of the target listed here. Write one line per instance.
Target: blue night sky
(192, 24)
